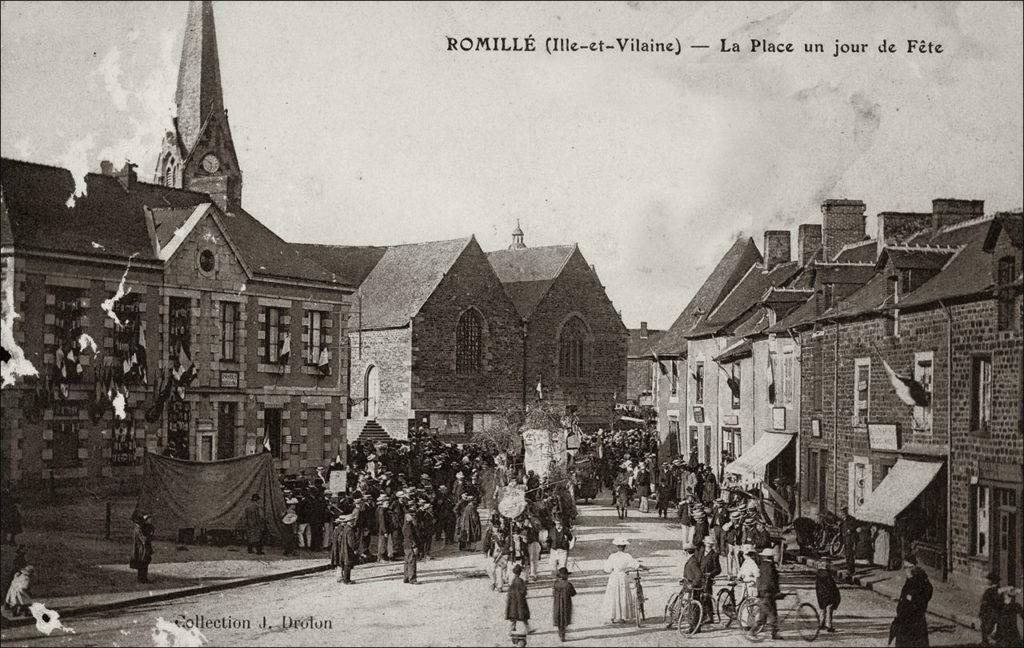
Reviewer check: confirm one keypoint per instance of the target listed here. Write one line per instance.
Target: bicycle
(682, 610)
(808, 621)
(641, 615)
(729, 609)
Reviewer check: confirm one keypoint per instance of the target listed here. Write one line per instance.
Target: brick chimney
(106, 167)
(643, 330)
(950, 211)
(776, 248)
(896, 227)
(127, 176)
(843, 222)
(808, 241)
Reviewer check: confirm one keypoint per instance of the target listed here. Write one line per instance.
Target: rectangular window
(273, 334)
(675, 378)
(787, 377)
(812, 476)
(272, 428)
(923, 376)
(180, 326)
(981, 507)
(862, 389)
(828, 294)
(228, 330)
(981, 394)
(819, 377)
(65, 444)
(315, 336)
(734, 386)
(1007, 304)
(698, 379)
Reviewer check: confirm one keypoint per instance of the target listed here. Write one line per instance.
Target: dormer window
(1006, 270)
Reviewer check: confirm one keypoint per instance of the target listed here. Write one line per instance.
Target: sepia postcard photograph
(511, 323)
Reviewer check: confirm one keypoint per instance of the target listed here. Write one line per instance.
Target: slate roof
(753, 325)
(740, 348)
(350, 264)
(858, 252)
(849, 273)
(745, 296)
(730, 269)
(969, 272)
(640, 347)
(114, 218)
(404, 278)
(803, 314)
(915, 257)
(527, 273)
(167, 220)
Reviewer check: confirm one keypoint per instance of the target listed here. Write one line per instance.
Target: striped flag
(907, 389)
(286, 349)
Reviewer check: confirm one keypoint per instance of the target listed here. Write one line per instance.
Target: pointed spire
(199, 90)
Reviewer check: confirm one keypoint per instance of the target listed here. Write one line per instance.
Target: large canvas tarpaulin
(209, 494)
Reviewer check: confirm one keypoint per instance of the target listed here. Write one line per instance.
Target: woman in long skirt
(619, 604)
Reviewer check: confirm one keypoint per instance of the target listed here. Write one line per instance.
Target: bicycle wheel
(808, 622)
(746, 613)
(690, 616)
(671, 611)
(756, 629)
(639, 605)
(726, 607)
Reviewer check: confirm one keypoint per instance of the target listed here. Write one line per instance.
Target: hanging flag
(657, 361)
(324, 361)
(734, 386)
(140, 354)
(266, 443)
(286, 349)
(59, 358)
(771, 379)
(540, 390)
(185, 372)
(75, 364)
(907, 389)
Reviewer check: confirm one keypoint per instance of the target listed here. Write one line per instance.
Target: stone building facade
(207, 300)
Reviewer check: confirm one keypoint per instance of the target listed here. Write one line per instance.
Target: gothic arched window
(169, 173)
(573, 351)
(468, 345)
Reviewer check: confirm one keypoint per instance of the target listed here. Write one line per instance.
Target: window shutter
(851, 491)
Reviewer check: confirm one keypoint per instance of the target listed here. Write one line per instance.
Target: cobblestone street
(454, 604)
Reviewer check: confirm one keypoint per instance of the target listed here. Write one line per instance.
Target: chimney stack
(643, 330)
(126, 176)
(776, 249)
(106, 167)
(896, 227)
(808, 241)
(843, 222)
(950, 211)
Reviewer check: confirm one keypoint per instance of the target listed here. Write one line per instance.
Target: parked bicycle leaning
(619, 603)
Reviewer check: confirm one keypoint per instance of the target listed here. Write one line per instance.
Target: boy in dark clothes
(561, 595)
(828, 593)
(988, 614)
(516, 607)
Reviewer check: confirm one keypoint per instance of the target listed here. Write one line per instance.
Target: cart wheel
(690, 616)
(807, 618)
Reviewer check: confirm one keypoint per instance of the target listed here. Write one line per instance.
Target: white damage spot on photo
(47, 620)
(17, 365)
(166, 633)
(85, 341)
(108, 305)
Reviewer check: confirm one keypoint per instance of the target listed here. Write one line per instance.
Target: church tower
(199, 154)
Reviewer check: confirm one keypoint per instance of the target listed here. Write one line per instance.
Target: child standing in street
(828, 593)
(561, 595)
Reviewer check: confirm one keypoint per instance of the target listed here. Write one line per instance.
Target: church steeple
(199, 153)
(199, 92)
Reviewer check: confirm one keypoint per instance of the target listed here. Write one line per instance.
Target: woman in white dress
(619, 603)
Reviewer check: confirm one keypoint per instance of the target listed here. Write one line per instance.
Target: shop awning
(905, 481)
(751, 464)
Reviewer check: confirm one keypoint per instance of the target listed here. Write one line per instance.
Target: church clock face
(211, 164)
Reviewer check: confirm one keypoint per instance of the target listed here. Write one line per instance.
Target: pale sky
(353, 125)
